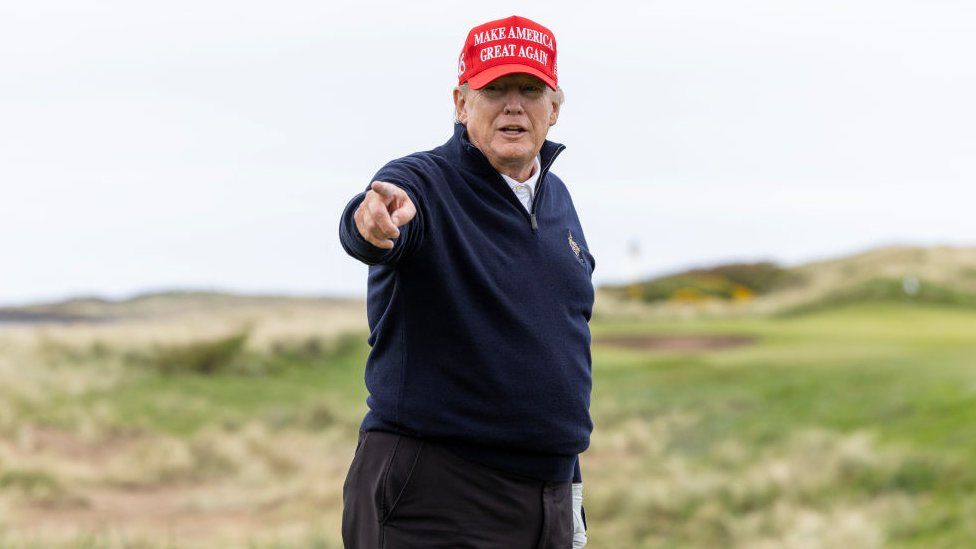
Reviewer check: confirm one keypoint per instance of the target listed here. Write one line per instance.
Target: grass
(901, 374)
(180, 389)
(887, 290)
(849, 425)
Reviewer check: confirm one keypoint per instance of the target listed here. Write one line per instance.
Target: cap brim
(481, 79)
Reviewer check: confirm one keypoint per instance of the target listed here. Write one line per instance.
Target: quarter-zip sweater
(479, 314)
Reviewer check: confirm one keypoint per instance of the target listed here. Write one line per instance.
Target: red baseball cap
(505, 46)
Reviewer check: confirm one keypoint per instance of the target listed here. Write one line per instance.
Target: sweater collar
(476, 161)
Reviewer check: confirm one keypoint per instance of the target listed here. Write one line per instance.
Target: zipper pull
(535, 224)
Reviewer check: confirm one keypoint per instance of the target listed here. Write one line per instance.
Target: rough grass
(848, 426)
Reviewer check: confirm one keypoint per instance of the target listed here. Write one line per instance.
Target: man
(479, 300)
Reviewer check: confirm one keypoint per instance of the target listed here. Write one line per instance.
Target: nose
(513, 103)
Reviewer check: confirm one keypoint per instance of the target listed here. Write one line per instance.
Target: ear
(459, 103)
(554, 115)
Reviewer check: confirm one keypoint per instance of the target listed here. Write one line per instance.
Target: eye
(531, 89)
(491, 91)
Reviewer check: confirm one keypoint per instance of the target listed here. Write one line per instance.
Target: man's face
(508, 118)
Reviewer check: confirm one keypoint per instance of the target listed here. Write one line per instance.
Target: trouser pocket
(393, 489)
(377, 487)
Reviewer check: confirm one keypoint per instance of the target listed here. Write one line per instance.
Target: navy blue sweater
(479, 314)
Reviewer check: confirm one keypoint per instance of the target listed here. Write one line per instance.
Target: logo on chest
(573, 245)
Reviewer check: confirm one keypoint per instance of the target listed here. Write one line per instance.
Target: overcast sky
(213, 144)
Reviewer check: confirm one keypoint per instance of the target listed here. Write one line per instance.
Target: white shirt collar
(530, 182)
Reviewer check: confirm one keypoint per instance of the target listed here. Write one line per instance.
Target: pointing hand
(385, 208)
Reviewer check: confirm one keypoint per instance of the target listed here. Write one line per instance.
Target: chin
(515, 158)
(514, 151)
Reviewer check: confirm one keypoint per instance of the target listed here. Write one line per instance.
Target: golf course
(845, 418)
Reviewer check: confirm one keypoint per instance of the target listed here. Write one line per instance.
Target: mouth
(513, 130)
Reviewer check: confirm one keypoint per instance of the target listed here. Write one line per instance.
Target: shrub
(229, 355)
(736, 281)
(200, 357)
(36, 486)
(315, 349)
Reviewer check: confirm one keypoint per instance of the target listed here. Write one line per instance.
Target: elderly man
(479, 300)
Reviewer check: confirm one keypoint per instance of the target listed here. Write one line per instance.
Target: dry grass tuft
(784, 496)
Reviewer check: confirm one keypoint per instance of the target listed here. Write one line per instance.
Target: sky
(213, 144)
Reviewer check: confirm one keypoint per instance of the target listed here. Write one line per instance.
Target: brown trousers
(404, 493)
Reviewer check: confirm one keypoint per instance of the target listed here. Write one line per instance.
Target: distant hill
(161, 304)
(940, 274)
